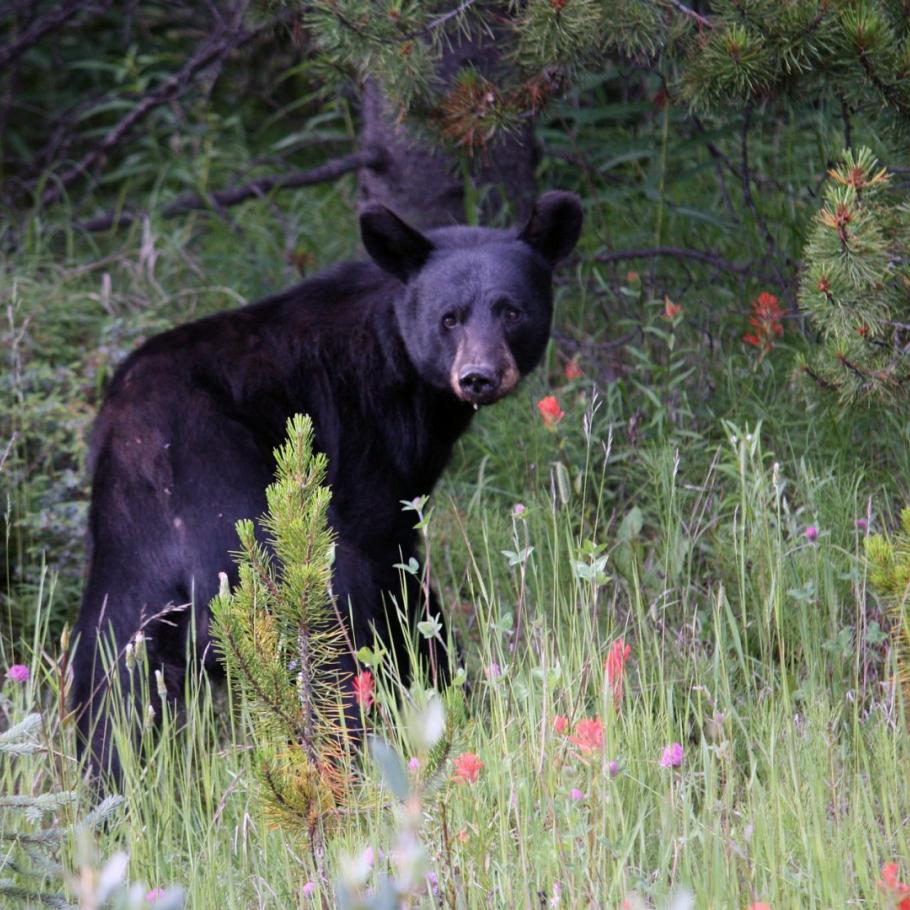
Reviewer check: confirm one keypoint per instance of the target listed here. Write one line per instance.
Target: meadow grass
(668, 509)
(792, 786)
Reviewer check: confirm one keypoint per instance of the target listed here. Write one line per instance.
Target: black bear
(390, 359)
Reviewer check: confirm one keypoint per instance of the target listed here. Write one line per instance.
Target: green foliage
(365, 40)
(856, 285)
(37, 828)
(669, 506)
(733, 64)
(738, 53)
(757, 49)
(546, 44)
(566, 37)
(413, 799)
(281, 641)
(707, 575)
(889, 574)
(890, 560)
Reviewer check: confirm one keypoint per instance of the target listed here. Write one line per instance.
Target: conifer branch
(443, 19)
(856, 285)
(816, 377)
(249, 675)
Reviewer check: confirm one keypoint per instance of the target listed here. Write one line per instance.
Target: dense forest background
(161, 160)
(719, 423)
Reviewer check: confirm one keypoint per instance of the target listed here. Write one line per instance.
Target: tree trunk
(425, 185)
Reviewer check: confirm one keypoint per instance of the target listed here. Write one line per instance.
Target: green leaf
(805, 594)
(370, 657)
(842, 645)
(631, 525)
(505, 623)
(391, 767)
(430, 628)
(874, 634)
(411, 567)
(518, 558)
(592, 572)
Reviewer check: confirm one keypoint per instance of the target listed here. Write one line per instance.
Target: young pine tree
(281, 641)
(856, 286)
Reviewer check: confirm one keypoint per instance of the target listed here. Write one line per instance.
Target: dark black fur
(389, 360)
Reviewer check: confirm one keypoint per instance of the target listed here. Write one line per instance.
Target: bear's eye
(510, 314)
(449, 321)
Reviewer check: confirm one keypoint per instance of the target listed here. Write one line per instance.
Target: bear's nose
(477, 383)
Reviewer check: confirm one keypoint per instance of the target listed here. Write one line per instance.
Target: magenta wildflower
(672, 757)
(518, 508)
(613, 768)
(414, 764)
(18, 673)
(153, 896)
(557, 895)
(576, 794)
(862, 525)
(494, 671)
(309, 889)
(811, 533)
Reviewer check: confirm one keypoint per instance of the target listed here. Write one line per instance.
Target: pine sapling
(281, 641)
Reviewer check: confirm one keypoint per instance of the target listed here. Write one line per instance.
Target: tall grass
(669, 509)
(791, 787)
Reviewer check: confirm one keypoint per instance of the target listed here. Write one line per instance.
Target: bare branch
(675, 252)
(688, 11)
(53, 19)
(255, 189)
(775, 253)
(213, 51)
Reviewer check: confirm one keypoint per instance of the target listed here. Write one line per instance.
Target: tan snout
(481, 376)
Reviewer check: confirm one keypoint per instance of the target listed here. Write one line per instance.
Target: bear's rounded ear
(394, 246)
(554, 226)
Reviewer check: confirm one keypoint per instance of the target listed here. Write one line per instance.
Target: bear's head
(475, 309)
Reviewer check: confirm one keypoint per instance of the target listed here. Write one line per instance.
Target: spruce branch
(30, 848)
(21, 738)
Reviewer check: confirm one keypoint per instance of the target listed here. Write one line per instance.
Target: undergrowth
(754, 645)
(695, 502)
